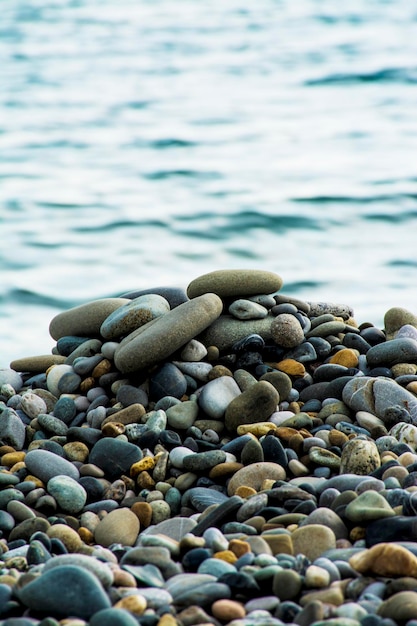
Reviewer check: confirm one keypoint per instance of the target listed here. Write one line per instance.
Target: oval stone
(135, 314)
(86, 319)
(256, 404)
(114, 456)
(239, 282)
(217, 394)
(68, 493)
(254, 475)
(45, 465)
(287, 331)
(158, 339)
(118, 526)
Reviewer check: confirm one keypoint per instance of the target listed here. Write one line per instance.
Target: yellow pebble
(258, 428)
(239, 547)
(86, 535)
(147, 463)
(9, 459)
(346, 357)
(244, 491)
(291, 367)
(226, 555)
(136, 604)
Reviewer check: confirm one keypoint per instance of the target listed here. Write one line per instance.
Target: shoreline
(220, 455)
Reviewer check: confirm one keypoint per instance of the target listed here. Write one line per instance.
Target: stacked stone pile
(221, 455)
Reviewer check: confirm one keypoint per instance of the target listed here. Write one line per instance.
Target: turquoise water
(144, 143)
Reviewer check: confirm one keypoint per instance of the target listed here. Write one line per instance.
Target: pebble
(216, 395)
(45, 465)
(132, 315)
(256, 404)
(231, 283)
(167, 333)
(286, 330)
(84, 595)
(68, 493)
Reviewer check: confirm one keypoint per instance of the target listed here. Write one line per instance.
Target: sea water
(146, 142)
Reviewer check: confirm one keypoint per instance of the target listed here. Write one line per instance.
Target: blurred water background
(145, 142)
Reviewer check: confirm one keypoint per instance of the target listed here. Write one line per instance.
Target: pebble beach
(223, 454)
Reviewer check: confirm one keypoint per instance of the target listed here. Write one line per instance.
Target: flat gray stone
(45, 465)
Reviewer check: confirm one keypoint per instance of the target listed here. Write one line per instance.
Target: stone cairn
(221, 455)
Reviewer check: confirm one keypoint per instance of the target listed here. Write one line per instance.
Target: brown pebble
(357, 533)
(291, 367)
(167, 620)
(228, 610)
(113, 429)
(224, 469)
(143, 511)
(101, 368)
(296, 443)
(239, 547)
(337, 438)
(132, 414)
(69, 537)
(87, 384)
(312, 540)
(279, 543)
(385, 559)
(254, 475)
(145, 481)
(89, 469)
(213, 353)
(217, 371)
(37, 364)
(346, 357)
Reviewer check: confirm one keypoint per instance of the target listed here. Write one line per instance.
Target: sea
(146, 142)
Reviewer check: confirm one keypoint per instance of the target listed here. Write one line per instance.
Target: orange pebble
(86, 535)
(244, 491)
(291, 367)
(346, 357)
(226, 555)
(239, 547)
(10, 458)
